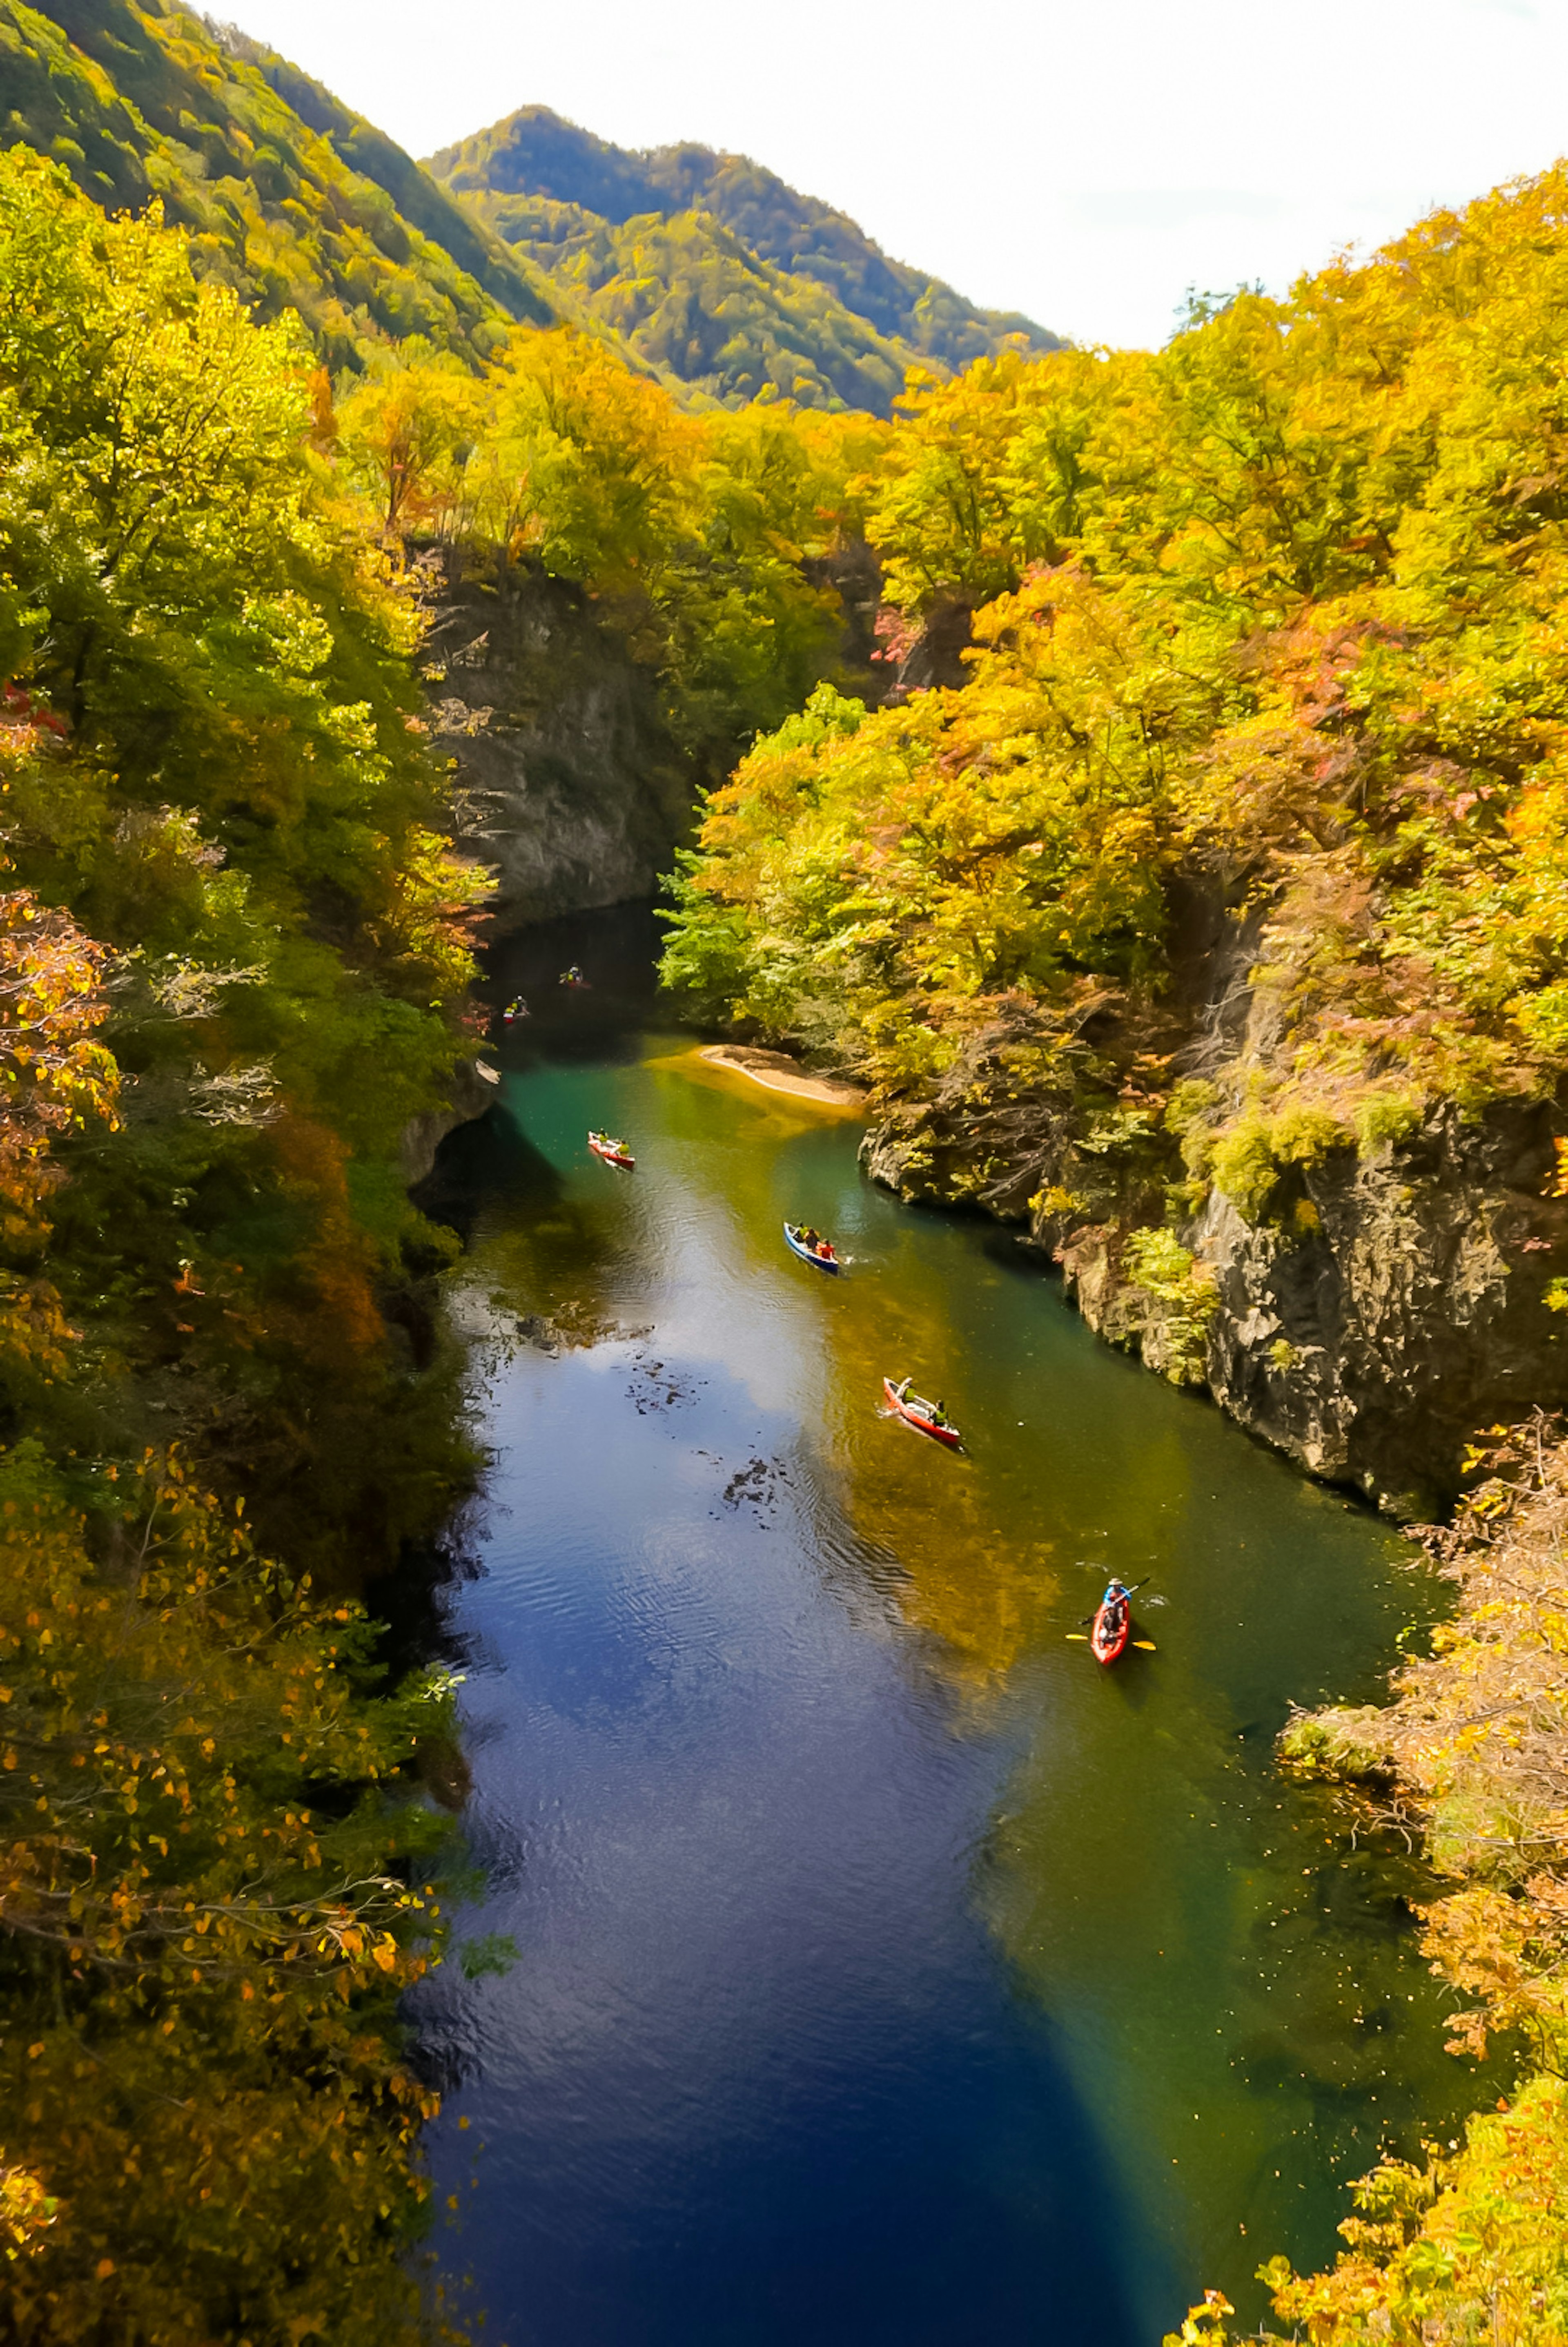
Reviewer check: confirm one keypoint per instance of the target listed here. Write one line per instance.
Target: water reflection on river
(887, 1972)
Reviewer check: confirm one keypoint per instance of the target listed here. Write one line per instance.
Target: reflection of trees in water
(927, 1527)
(540, 1259)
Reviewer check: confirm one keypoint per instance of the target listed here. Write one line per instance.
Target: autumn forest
(1004, 677)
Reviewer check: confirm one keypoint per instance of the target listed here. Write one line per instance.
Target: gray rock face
(1382, 1310)
(568, 784)
(474, 1088)
(1407, 1313)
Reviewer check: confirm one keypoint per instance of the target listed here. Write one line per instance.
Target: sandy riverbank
(777, 1073)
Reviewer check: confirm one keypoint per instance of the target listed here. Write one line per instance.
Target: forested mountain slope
(284, 194)
(1217, 923)
(232, 969)
(716, 272)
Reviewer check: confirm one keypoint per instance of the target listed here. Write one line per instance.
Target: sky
(1084, 162)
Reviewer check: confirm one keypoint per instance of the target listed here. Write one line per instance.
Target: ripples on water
(886, 1973)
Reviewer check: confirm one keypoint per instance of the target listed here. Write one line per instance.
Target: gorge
(1139, 779)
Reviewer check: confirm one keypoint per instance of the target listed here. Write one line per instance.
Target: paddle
(1144, 1645)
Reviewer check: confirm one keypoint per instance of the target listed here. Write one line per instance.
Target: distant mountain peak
(883, 317)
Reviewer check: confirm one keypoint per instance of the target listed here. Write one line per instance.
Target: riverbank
(1363, 1307)
(776, 1071)
(1471, 1755)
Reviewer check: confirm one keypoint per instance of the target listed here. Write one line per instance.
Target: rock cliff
(570, 787)
(472, 1091)
(1377, 1308)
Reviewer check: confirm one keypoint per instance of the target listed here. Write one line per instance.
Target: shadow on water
(888, 1972)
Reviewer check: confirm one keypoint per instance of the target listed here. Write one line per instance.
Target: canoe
(1108, 1638)
(809, 1255)
(916, 1411)
(602, 1146)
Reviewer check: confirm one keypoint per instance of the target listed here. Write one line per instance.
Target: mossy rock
(1341, 1744)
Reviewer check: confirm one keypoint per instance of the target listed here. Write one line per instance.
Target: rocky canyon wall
(570, 787)
(1367, 1316)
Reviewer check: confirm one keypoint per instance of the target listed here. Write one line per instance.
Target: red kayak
(916, 1411)
(614, 1153)
(1112, 1628)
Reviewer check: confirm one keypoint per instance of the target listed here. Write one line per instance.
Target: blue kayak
(793, 1241)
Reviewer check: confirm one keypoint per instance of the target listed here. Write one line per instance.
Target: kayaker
(808, 1238)
(1116, 1602)
(938, 1414)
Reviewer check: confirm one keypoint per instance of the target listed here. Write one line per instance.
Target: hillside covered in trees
(237, 951)
(714, 272)
(233, 941)
(284, 194)
(1234, 862)
(704, 272)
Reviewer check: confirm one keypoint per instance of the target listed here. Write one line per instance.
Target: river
(887, 1972)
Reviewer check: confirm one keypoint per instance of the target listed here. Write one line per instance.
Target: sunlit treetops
(1276, 612)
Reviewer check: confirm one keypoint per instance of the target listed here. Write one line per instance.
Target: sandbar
(776, 1071)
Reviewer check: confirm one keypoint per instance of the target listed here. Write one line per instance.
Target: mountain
(714, 272)
(285, 193)
(702, 269)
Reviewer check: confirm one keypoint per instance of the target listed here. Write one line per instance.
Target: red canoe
(1108, 1638)
(610, 1151)
(916, 1411)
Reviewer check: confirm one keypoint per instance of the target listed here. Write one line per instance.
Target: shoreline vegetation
(235, 963)
(1470, 1757)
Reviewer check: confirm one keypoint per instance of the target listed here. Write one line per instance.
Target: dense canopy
(1275, 613)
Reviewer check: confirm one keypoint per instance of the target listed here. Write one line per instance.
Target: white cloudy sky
(1085, 160)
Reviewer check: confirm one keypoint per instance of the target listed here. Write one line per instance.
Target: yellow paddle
(1144, 1645)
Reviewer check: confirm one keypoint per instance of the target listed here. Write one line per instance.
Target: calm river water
(887, 1975)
